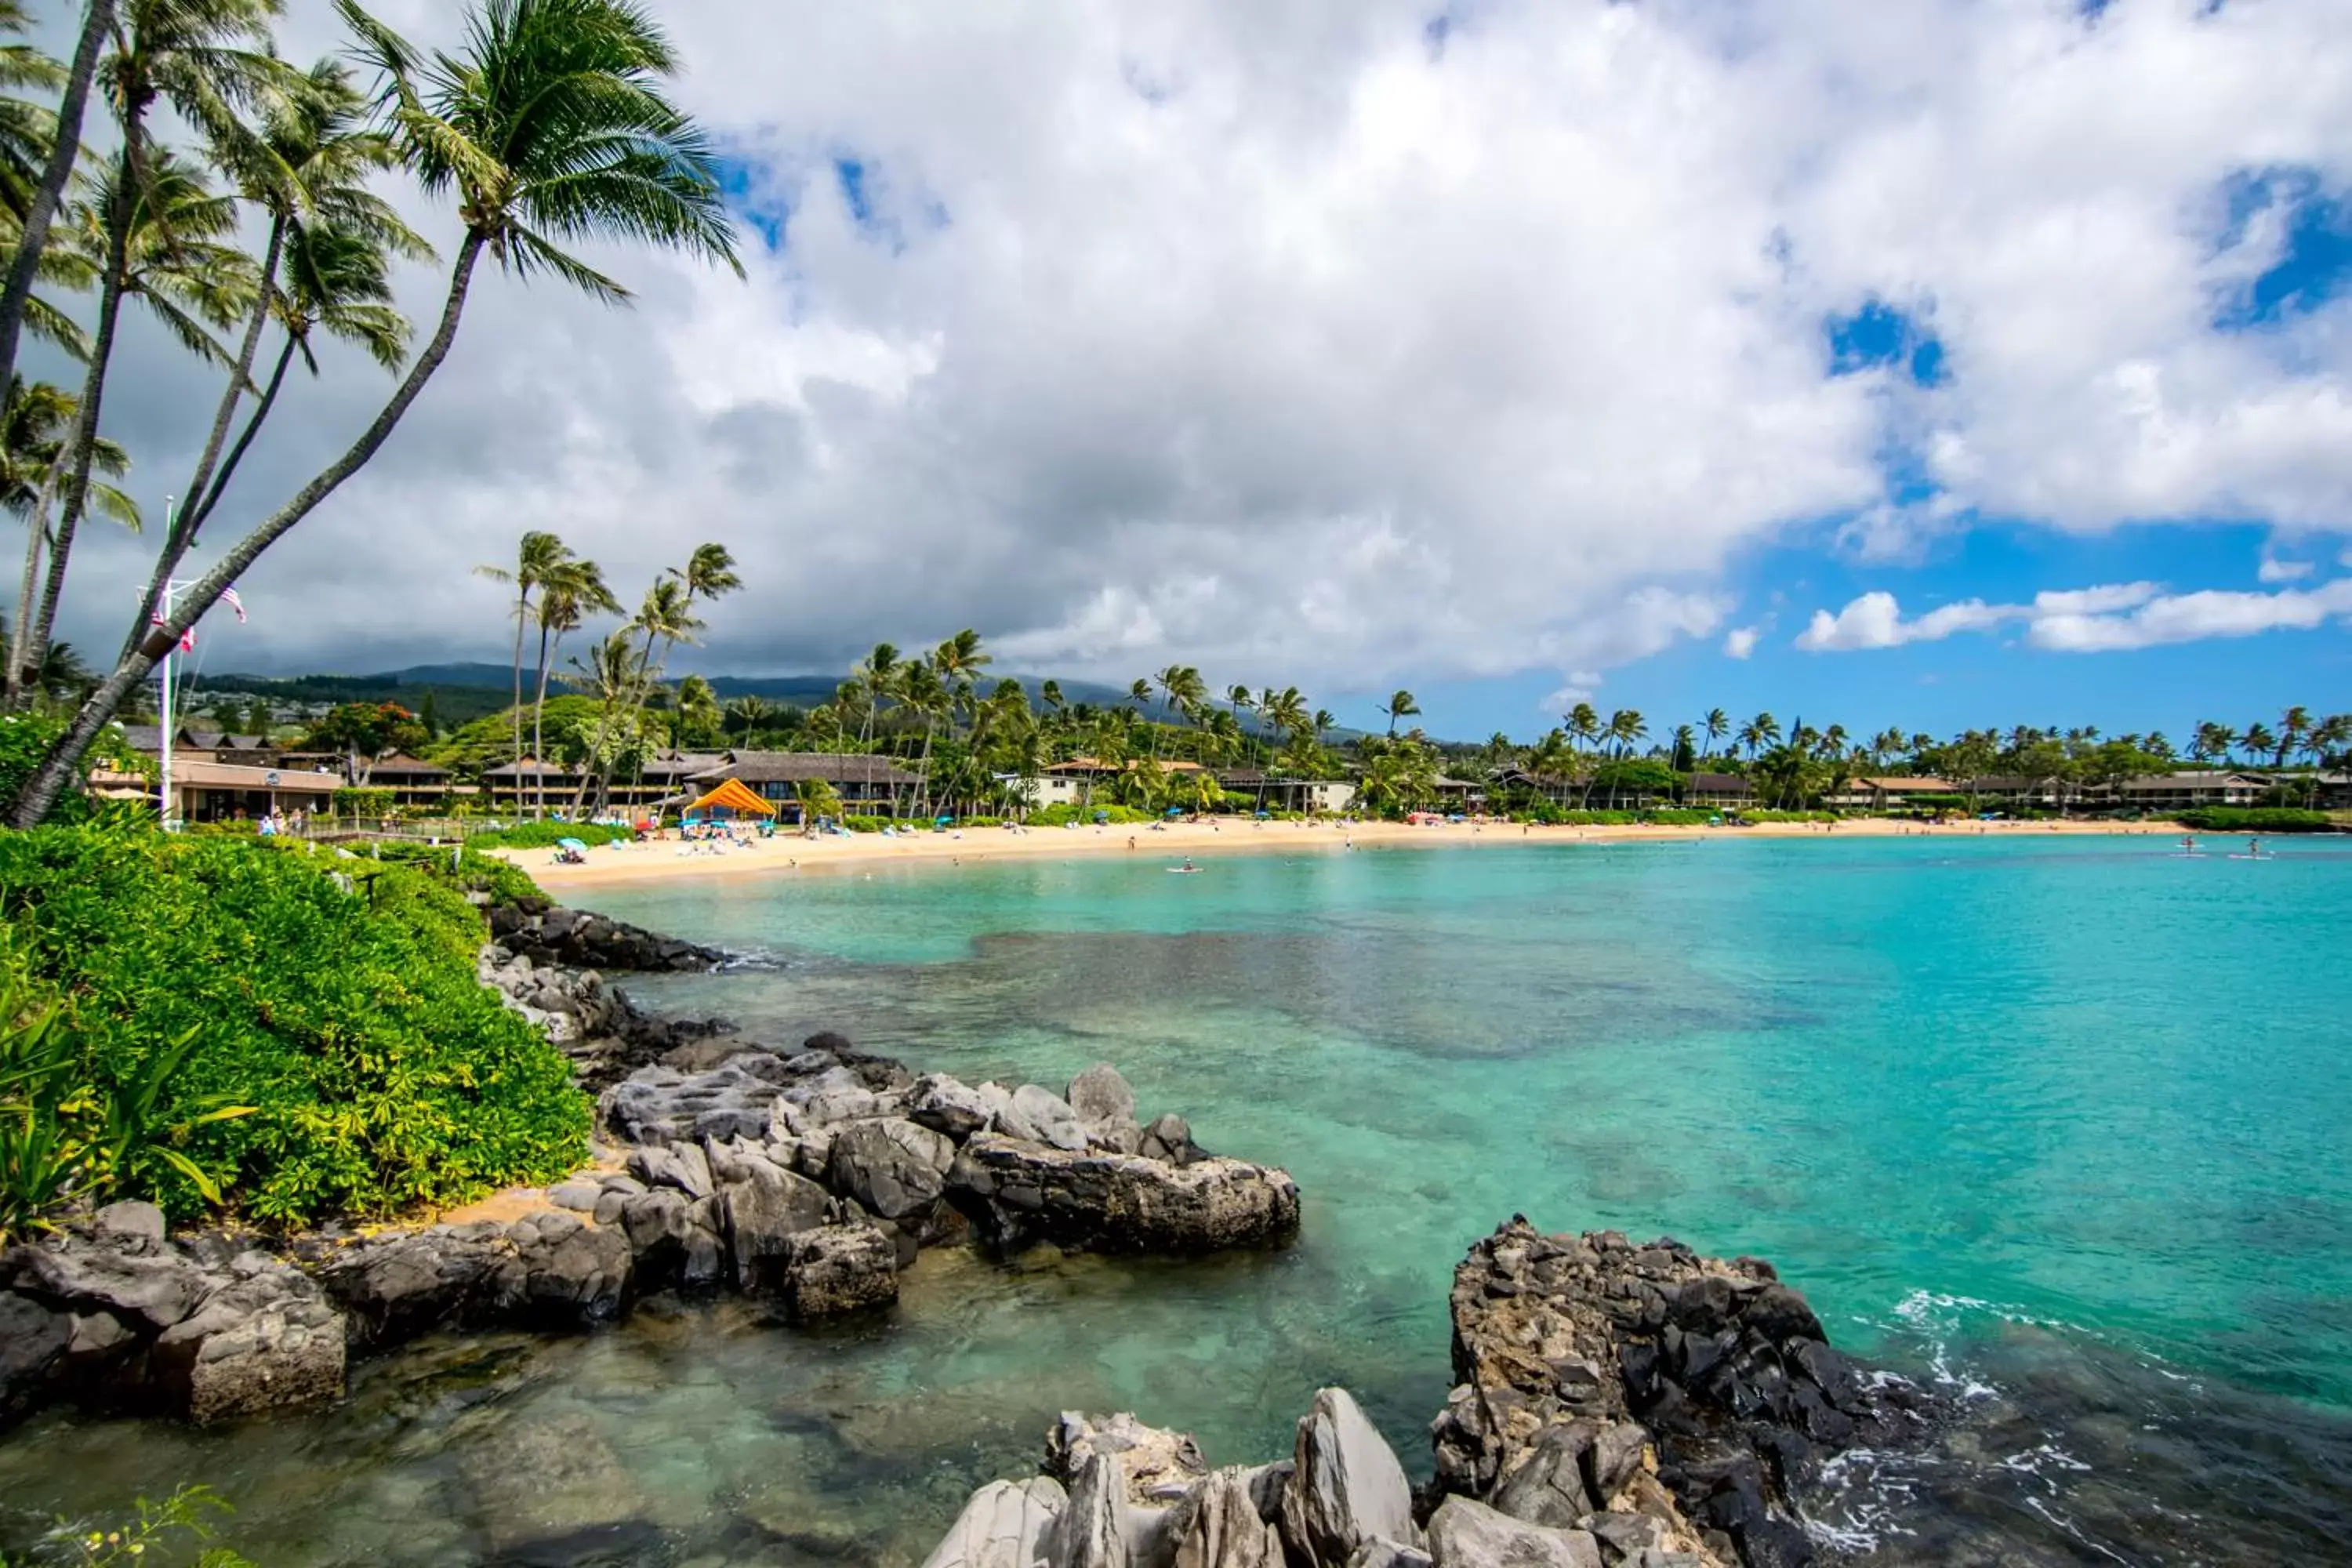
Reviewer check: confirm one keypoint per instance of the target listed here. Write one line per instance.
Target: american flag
(228, 597)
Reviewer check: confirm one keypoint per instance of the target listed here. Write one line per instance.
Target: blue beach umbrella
(572, 844)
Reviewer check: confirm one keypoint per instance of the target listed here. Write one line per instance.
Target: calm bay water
(2062, 1125)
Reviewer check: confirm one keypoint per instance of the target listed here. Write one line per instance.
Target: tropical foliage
(547, 128)
(334, 997)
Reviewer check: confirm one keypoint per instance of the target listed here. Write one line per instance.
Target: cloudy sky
(1950, 362)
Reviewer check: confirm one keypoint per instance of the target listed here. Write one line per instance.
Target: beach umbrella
(572, 844)
(1175, 811)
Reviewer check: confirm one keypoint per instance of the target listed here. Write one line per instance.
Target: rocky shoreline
(1618, 1406)
(809, 1176)
(1615, 1404)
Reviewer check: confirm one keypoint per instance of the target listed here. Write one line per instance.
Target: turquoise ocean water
(2064, 1126)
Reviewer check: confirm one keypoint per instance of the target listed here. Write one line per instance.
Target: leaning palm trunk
(47, 782)
(37, 538)
(537, 720)
(181, 531)
(197, 513)
(85, 443)
(98, 21)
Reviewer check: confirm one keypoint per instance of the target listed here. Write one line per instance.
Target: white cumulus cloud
(1287, 341)
(1741, 642)
(2193, 617)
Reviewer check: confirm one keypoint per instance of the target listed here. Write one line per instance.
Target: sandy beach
(791, 855)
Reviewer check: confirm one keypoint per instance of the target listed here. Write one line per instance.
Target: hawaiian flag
(187, 639)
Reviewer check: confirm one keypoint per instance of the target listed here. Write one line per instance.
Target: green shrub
(545, 835)
(467, 870)
(25, 739)
(2255, 819)
(352, 802)
(336, 995)
(1681, 816)
(1061, 815)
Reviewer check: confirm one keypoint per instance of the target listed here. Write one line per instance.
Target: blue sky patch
(1879, 336)
(2314, 265)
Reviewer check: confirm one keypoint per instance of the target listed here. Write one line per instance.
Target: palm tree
(1236, 699)
(571, 590)
(194, 56)
(2294, 725)
(64, 151)
(34, 424)
(1399, 705)
(550, 126)
(335, 281)
(2258, 740)
(167, 242)
(747, 714)
(1766, 731)
(537, 556)
(308, 166)
(1715, 727)
(1626, 726)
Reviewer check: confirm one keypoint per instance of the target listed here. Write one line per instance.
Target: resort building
(411, 781)
(1312, 797)
(1718, 791)
(1888, 792)
(228, 791)
(2165, 791)
(867, 784)
(527, 781)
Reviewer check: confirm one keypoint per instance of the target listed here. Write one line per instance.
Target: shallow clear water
(2062, 1124)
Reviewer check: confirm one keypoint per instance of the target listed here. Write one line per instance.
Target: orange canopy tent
(731, 798)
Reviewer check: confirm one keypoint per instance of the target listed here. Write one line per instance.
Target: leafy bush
(352, 802)
(337, 997)
(25, 739)
(2255, 819)
(466, 869)
(1683, 816)
(1061, 815)
(1752, 813)
(544, 834)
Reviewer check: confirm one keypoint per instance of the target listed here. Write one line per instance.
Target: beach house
(867, 784)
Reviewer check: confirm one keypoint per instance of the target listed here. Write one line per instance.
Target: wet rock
(1346, 1488)
(1019, 1193)
(549, 1479)
(1466, 1534)
(268, 1339)
(945, 1105)
(835, 1269)
(579, 940)
(32, 1340)
(893, 1168)
(1049, 1117)
(761, 1211)
(1160, 1465)
(1222, 1526)
(1094, 1526)
(1168, 1139)
(1388, 1555)
(573, 1272)
(1101, 1094)
(1578, 1354)
(1006, 1524)
(395, 1287)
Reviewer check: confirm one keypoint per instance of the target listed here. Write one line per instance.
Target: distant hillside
(461, 693)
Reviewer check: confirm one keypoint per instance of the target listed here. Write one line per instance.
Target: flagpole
(163, 709)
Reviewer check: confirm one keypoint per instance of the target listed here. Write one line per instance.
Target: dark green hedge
(544, 834)
(2255, 819)
(337, 995)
